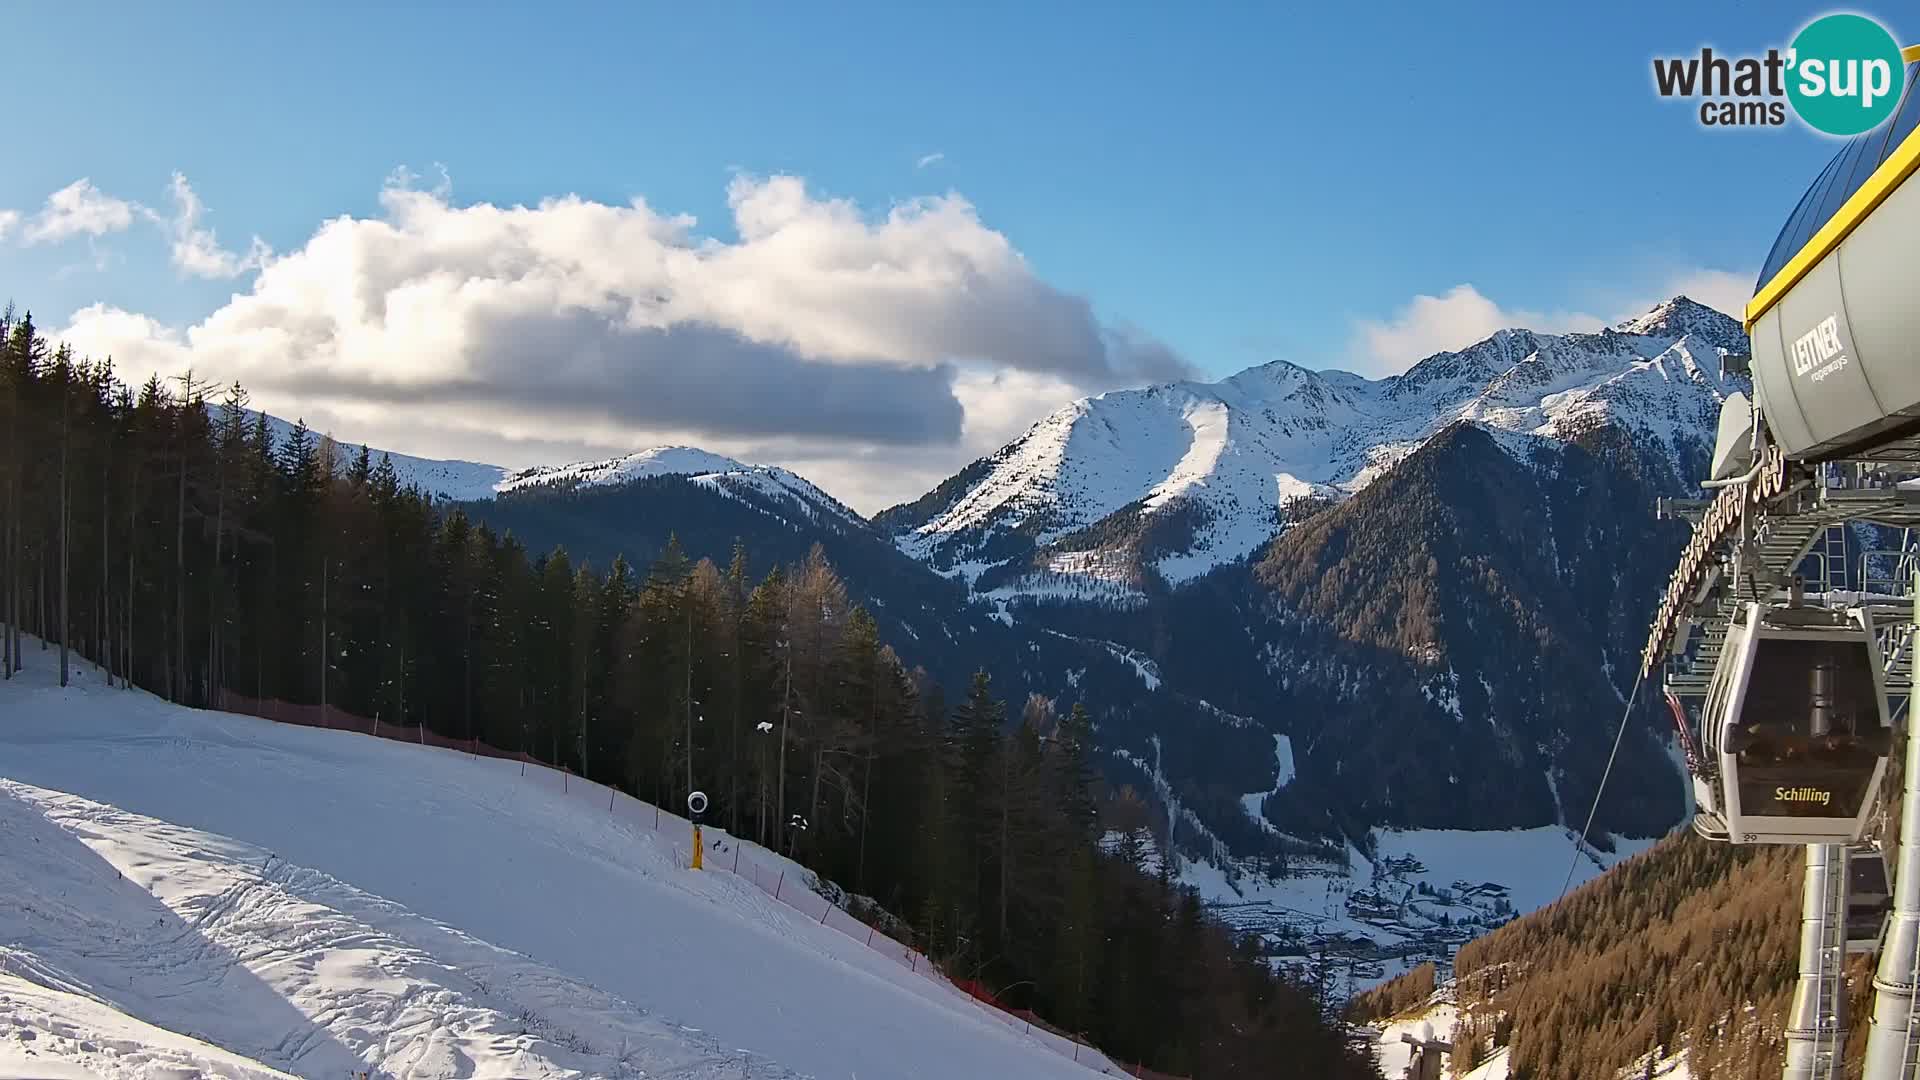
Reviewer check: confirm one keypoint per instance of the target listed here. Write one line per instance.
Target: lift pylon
(1792, 669)
(1817, 1021)
(1892, 1041)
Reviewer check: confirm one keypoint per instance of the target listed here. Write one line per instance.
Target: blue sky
(1238, 182)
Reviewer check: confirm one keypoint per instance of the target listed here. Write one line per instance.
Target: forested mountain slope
(190, 551)
(1396, 623)
(1688, 948)
(1445, 649)
(1447, 575)
(446, 916)
(1398, 632)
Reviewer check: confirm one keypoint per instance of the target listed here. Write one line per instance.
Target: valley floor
(1426, 892)
(201, 894)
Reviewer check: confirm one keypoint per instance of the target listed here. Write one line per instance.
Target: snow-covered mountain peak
(723, 475)
(1182, 477)
(1274, 374)
(1446, 372)
(1683, 316)
(654, 461)
(468, 481)
(1283, 382)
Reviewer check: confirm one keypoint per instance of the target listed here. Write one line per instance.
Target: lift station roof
(1835, 329)
(1849, 170)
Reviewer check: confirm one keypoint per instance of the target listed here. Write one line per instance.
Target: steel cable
(1594, 810)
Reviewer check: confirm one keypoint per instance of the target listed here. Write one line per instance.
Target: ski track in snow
(223, 896)
(59, 1034)
(227, 943)
(1284, 774)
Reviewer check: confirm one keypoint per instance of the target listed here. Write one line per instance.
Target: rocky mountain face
(1432, 586)
(1114, 495)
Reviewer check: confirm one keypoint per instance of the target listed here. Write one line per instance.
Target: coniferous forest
(1689, 946)
(163, 535)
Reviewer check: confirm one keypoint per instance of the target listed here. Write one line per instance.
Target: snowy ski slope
(196, 893)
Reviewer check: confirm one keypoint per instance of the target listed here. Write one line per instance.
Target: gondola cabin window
(1808, 737)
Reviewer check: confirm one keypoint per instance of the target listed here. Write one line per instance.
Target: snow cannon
(1834, 321)
(1794, 728)
(696, 806)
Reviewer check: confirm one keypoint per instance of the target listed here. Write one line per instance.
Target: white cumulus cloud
(82, 210)
(1454, 320)
(882, 349)
(79, 209)
(196, 250)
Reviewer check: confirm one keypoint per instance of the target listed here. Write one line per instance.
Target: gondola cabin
(1794, 730)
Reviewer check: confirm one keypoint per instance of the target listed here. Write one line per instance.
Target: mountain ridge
(1191, 561)
(1226, 458)
(1504, 381)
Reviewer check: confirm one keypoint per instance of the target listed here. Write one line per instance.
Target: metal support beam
(1892, 1042)
(1425, 1063)
(1817, 1022)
